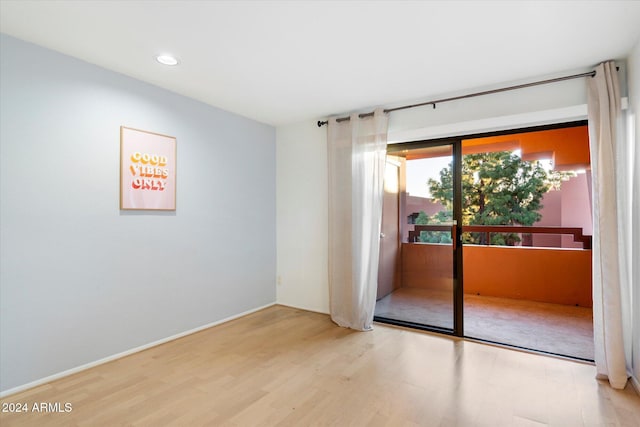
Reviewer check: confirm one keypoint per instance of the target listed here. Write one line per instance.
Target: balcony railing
(576, 232)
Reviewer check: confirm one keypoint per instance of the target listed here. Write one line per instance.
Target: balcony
(532, 297)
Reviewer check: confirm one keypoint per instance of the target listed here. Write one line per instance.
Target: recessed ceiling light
(167, 60)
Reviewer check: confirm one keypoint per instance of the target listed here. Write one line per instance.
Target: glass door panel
(423, 294)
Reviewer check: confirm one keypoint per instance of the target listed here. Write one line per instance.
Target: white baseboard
(303, 308)
(126, 353)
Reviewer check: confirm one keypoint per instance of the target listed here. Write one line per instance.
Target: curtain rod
(470, 95)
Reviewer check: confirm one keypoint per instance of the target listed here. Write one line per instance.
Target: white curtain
(611, 219)
(356, 158)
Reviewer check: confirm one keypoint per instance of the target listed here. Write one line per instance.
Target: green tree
(441, 217)
(498, 188)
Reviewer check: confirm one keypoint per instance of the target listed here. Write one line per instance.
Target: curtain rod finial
(322, 123)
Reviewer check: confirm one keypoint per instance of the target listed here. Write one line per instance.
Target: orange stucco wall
(559, 276)
(568, 147)
(427, 266)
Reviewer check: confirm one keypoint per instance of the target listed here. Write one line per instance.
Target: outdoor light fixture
(167, 60)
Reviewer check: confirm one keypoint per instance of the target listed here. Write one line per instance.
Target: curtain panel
(611, 207)
(356, 160)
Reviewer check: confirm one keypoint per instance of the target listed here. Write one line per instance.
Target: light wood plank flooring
(283, 366)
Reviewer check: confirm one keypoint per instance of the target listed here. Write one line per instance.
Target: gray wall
(81, 280)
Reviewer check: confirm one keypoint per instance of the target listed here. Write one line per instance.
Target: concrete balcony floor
(559, 329)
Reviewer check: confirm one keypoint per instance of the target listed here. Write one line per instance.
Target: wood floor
(283, 366)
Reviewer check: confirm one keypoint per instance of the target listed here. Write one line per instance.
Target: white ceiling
(285, 61)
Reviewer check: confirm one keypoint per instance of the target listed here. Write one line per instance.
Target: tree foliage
(498, 188)
(441, 217)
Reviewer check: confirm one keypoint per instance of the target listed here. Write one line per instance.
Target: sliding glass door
(426, 290)
(526, 205)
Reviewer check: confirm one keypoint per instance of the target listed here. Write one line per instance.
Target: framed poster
(147, 170)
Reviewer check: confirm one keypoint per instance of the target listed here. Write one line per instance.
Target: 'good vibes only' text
(149, 171)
